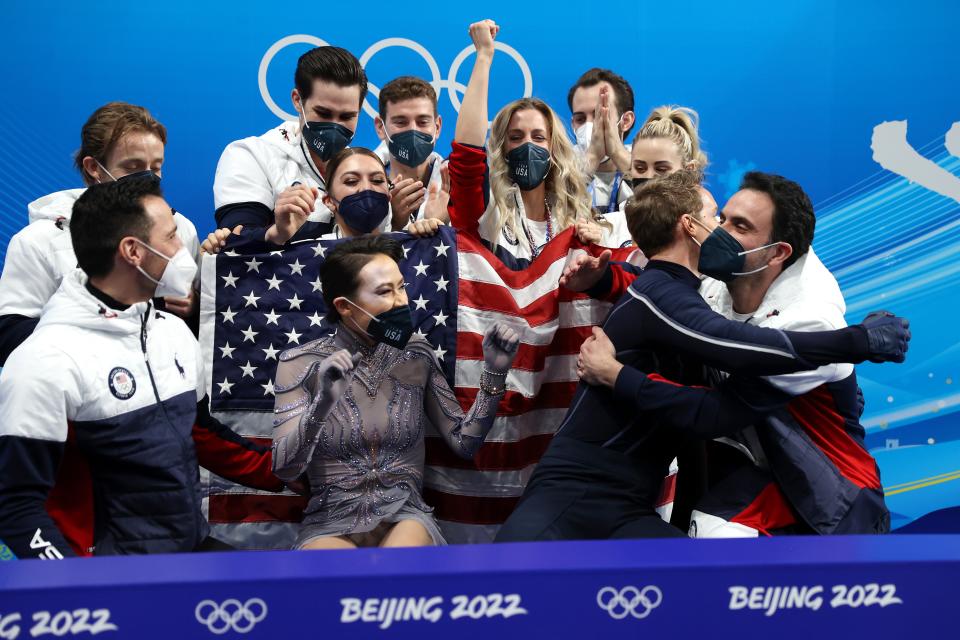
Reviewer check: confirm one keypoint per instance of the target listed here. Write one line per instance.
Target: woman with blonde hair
(668, 141)
(533, 188)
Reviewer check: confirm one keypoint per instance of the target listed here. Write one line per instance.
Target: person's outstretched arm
(468, 159)
(465, 431)
(668, 314)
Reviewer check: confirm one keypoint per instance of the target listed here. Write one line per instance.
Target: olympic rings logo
(232, 614)
(436, 80)
(629, 601)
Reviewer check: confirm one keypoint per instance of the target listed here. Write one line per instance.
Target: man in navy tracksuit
(804, 467)
(602, 472)
(108, 380)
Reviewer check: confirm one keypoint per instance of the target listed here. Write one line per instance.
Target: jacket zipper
(163, 407)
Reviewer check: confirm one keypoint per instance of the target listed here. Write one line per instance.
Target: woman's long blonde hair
(565, 183)
(678, 124)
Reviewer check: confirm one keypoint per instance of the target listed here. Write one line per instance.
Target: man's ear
(687, 225)
(378, 126)
(629, 118)
(297, 102)
(92, 173)
(439, 122)
(130, 251)
(784, 251)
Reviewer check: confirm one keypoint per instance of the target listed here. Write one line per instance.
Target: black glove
(887, 336)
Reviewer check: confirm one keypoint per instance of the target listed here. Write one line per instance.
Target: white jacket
(75, 351)
(259, 168)
(125, 384)
(805, 297)
(41, 254)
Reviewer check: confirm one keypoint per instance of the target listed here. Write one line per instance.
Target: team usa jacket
(98, 424)
(814, 444)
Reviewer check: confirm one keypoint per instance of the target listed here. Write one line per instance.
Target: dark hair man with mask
(804, 467)
(409, 126)
(271, 184)
(601, 108)
(109, 376)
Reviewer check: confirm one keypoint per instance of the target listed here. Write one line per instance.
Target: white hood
(74, 306)
(54, 206)
(807, 283)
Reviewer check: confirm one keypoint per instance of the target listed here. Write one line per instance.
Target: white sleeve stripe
(705, 338)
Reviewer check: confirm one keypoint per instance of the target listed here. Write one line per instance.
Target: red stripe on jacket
(816, 412)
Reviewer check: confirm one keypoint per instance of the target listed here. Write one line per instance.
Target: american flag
(254, 306)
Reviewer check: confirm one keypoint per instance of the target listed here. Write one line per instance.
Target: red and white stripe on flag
(473, 497)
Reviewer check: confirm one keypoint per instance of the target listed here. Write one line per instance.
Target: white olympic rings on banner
(629, 601)
(436, 80)
(231, 614)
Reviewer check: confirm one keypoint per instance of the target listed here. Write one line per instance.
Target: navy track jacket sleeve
(39, 393)
(14, 329)
(700, 412)
(665, 313)
(28, 469)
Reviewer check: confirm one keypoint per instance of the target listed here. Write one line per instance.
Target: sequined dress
(365, 458)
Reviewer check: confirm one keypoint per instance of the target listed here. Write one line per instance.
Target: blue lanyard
(612, 205)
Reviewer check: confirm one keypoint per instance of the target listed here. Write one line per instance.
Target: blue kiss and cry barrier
(786, 587)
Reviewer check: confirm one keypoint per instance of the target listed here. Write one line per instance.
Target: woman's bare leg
(407, 533)
(328, 542)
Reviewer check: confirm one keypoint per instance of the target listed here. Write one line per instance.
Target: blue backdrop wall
(856, 101)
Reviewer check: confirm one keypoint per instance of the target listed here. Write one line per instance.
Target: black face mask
(723, 257)
(139, 175)
(326, 139)
(393, 327)
(636, 183)
(411, 147)
(529, 164)
(365, 210)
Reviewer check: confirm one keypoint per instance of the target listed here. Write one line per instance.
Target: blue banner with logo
(855, 101)
(786, 588)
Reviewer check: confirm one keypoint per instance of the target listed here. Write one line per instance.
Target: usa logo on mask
(122, 383)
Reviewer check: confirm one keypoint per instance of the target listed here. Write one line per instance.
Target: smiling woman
(537, 186)
(352, 408)
(358, 192)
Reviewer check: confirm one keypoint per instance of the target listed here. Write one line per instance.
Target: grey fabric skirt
(371, 534)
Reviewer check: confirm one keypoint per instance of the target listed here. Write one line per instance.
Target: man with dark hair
(805, 467)
(272, 184)
(629, 417)
(99, 406)
(601, 104)
(408, 126)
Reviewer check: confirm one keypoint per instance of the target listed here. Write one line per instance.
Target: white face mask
(584, 133)
(177, 277)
